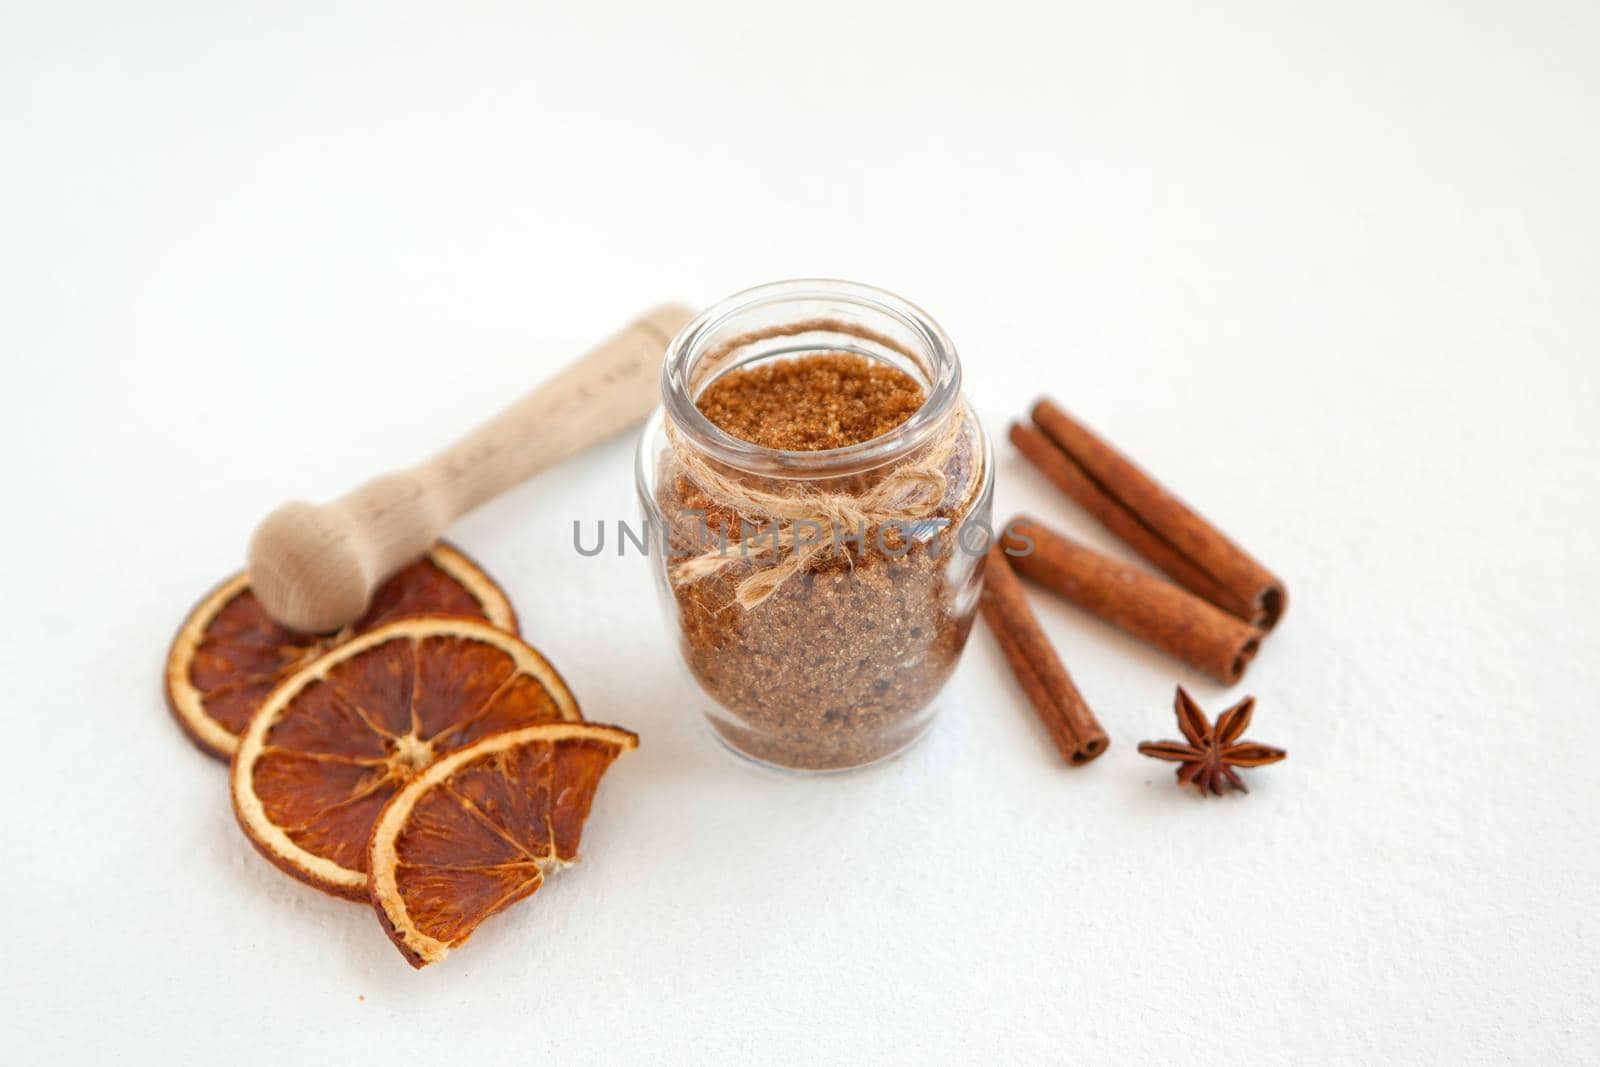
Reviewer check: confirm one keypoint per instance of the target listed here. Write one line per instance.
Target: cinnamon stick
(1153, 522)
(1155, 611)
(1073, 728)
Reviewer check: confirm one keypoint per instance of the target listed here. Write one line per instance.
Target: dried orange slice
(336, 739)
(475, 832)
(228, 654)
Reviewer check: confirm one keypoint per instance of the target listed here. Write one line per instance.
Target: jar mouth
(775, 320)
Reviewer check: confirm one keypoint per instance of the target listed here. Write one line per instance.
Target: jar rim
(693, 341)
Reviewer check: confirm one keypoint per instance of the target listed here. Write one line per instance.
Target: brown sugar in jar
(814, 478)
(811, 403)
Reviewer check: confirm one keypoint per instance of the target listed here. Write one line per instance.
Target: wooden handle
(315, 568)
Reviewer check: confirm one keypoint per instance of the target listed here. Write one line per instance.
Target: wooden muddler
(1073, 729)
(314, 568)
(1155, 611)
(1148, 518)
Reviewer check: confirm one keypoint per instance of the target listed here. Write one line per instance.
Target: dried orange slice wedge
(228, 654)
(475, 832)
(332, 743)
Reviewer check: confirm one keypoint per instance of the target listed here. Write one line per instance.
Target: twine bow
(906, 493)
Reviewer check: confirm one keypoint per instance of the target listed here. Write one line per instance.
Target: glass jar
(820, 599)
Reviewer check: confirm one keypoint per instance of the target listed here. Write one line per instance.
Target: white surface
(1330, 274)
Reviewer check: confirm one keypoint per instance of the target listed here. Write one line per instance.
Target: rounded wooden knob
(307, 568)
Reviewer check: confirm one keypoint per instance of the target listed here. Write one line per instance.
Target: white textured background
(1329, 270)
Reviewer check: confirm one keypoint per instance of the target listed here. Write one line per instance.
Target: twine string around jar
(907, 493)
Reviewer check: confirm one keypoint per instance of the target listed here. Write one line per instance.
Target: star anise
(1211, 755)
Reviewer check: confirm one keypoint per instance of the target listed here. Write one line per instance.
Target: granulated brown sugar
(838, 665)
(821, 401)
